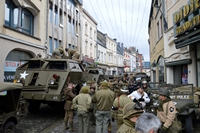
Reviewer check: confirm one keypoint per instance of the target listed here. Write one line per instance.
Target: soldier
(146, 87)
(103, 99)
(140, 96)
(69, 111)
(131, 112)
(58, 53)
(83, 104)
(93, 111)
(166, 110)
(70, 52)
(119, 103)
(76, 57)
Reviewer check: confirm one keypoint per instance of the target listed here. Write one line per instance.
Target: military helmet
(132, 109)
(84, 89)
(144, 82)
(124, 89)
(104, 84)
(164, 92)
(89, 82)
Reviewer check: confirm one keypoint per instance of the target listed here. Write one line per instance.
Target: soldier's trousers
(102, 121)
(83, 121)
(69, 116)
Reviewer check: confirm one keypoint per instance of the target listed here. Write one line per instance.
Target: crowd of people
(121, 101)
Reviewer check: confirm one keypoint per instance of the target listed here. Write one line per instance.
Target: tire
(188, 125)
(34, 106)
(9, 127)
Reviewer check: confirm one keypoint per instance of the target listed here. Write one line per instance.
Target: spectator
(140, 96)
(147, 123)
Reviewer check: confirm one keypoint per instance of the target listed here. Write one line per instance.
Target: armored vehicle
(95, 73)
(45, 80)
(142, 76)
(186, 98)
(12, 107)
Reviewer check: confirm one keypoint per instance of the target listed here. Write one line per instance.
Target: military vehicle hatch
(45, 79)
(12, 107)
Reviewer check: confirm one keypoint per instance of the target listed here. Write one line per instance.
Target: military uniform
(165, 118)
(58, 53)
(119, 103)
(103, 99)
(130, 110)
(83, 104)
(69, 112)
(76, 57)
(71, 52)
(126, 129)
(166, 110)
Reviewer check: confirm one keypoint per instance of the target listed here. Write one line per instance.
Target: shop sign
(184, 14)
(10, 66)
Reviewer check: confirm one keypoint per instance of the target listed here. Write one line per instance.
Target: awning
(189, 39)
(179, 62)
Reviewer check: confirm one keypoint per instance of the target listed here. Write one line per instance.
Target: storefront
(187, 33)
(13, 60)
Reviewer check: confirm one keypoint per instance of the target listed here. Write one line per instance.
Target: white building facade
(89, 38)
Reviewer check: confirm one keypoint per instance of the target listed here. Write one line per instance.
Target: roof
(5, 86)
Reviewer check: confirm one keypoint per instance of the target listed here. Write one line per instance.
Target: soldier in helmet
(166, 110)
(119, 103)
(131, 112)
(58, 53)
(70, 52)
(83, 103)
(146, 87)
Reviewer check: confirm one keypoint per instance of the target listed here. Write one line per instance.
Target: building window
(11, 18)
(101, 56)
(91, 49)
(69, 25)
(158, 30)
(91, 32)
(161, 25)
(50, 45)
(104, 57)
(94, 35)
(85, 47)
(50, 14)
(86, 28)
(94, 52)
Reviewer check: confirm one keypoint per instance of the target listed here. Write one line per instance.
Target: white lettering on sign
(183, 97)
(180, 97)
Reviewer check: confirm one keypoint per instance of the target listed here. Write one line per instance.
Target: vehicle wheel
(9, 127)
(188, 125)
(34, 106)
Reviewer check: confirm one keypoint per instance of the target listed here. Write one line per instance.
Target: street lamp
(165, 22)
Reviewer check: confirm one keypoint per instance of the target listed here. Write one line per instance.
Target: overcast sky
(126, 20)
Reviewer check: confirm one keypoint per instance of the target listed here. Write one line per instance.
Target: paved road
(50, 120)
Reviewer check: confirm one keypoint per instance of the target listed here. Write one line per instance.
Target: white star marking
(23, 75)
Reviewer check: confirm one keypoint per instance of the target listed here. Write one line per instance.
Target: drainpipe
(47, 34)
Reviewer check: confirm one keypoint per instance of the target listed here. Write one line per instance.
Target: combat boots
(72, 127)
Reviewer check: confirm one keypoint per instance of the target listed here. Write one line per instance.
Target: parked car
(12, 107)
